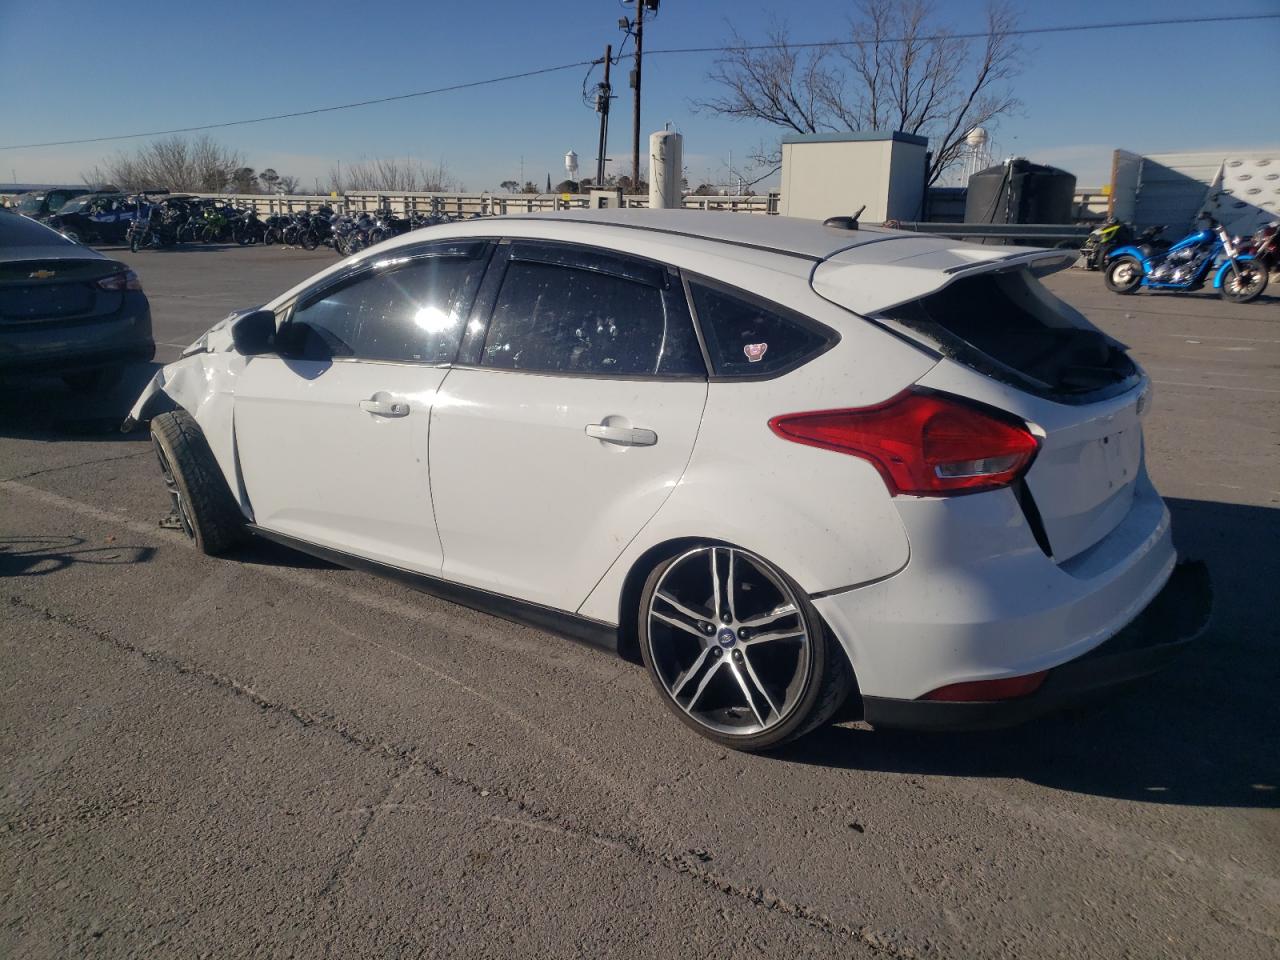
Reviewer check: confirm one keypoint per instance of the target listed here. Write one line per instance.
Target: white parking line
(1200, 336)
(1214, 386)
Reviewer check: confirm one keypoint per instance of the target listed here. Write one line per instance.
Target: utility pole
(602, 107)
(635, 83)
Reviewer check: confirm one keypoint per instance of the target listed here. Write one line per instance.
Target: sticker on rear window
(755, 351)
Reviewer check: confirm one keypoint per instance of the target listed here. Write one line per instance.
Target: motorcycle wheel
(133, 243)
(268, 237)
(308, 240)
(1124, 275)
(209, 235)
(1245, 283)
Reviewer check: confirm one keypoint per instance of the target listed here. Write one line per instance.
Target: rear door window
(411, 310)
(570, 311)
(748, 337)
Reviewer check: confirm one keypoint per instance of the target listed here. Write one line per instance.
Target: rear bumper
(1178, 614)
(65, 346)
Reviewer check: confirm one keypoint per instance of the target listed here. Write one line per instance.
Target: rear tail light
(1007, 688)
(923, 444)
(124, 280)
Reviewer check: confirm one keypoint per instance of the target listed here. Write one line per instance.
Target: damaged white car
(798, 469)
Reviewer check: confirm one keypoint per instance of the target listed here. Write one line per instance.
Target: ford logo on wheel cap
(727, 637)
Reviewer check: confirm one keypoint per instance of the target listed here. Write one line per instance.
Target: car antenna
(845, 223)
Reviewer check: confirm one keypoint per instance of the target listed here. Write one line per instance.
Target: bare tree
(391, 175)
(172, 163)
(900, 69)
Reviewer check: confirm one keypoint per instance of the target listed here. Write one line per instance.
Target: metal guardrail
(474, 204)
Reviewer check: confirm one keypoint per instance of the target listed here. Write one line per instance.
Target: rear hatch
(984, 309)
(44, 288)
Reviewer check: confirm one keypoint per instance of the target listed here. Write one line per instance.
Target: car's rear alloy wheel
(737, 650)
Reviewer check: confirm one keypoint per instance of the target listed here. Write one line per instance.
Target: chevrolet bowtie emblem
(42, 274)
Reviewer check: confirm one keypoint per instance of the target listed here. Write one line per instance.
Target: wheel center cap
(727, 637)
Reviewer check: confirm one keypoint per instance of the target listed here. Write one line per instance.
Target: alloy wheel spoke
(746, 693)
(765, 619)
(686, 610)
(680, 625)
(684, 678)
(733, 567)
(768, 637)
(751, 672)
(702, 686)
(715, 583)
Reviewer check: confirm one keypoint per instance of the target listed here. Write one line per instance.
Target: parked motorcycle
(1264, 245)
(1112, 234)
(1237, 275)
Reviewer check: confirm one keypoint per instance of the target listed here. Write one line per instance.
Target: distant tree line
(202, 165)
(182, 165)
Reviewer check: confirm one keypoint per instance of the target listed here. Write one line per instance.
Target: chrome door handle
(385, 408)
(622, 436)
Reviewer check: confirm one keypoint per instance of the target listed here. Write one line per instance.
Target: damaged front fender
(203, 383)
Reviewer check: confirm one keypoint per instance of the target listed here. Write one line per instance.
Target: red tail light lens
(1008, 688)
(124, 280)
(923, 444)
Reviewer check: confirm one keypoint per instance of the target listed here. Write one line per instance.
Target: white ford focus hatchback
(793, 467)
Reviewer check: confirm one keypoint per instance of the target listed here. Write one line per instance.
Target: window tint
(413, 311)
(17, 231)
(747, 338)
(560, 319)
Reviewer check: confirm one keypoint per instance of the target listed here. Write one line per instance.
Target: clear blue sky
(79, 69)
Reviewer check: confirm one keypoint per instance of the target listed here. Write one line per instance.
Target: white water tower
(571, 165)
(977, 152)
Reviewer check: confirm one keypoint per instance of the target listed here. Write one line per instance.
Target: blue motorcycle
(1188, 264)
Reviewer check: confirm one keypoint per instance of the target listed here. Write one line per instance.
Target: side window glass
(554, 318)
(413, 311)
(747, 338)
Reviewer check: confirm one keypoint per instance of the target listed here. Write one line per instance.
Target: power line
(1021, 32)
(307, 113)
(1026, 31)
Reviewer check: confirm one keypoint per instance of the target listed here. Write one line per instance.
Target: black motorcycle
(1112, 234)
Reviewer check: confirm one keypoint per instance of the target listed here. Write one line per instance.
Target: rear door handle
(385, 407)
(622, 436)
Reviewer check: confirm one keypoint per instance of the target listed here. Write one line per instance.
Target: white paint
(515, 497)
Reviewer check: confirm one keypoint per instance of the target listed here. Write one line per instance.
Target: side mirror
(255, 333)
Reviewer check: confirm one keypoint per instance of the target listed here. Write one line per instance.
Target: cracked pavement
(268, 756)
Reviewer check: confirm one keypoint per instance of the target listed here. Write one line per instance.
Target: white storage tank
(666, 169)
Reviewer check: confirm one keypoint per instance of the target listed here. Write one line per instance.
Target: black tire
(268, 236)
(201, 497)
(100, 380)
(827, 685)
(133, 243)
(209, 235)
(308, 240)
(1245, 285)
(1123, 275)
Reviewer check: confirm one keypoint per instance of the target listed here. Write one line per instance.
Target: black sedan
(66, 309)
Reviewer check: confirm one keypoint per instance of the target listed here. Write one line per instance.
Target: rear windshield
(16, 231)
(1009, 326)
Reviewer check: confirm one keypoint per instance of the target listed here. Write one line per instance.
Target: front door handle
(622, 436)
(381, 406)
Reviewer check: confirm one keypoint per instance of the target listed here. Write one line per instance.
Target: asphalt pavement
(267, 756)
